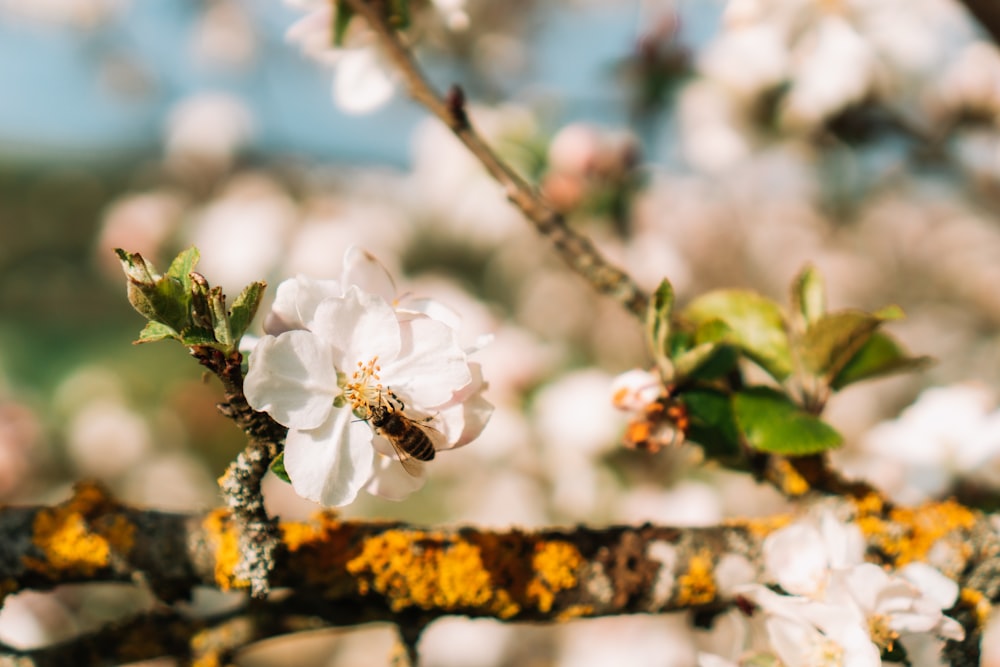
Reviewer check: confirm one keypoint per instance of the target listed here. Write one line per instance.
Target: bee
(409, 438)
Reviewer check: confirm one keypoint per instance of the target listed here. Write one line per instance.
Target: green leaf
(136, 268)
(757, 326)
(399, 14)
(342, 16)
(199, 336)
(711, 423)
(182, 266)
(834, 339)
(889, 313)
(658, 327)
(770, 422)
(809, 295)
(706, 361)
(154, 331)
(278, 468)
(880, 355)
(155, 297)
(245, 308)
(220, 318)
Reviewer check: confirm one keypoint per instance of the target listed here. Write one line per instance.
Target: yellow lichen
(909, 533)
(760, 527)
(574, 611)
(555, 565)
(428, 570)
(697, 585)
(979, 604)
(207, 660)
(793, 484)
(224, 537)
(73, 538)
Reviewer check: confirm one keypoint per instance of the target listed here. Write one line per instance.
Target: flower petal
(295, 303)
(330, 464)
(464, 417)
(932, 583)
(361, 268)
(360, 326)
(430, 367)
(795, 558)
(292, 378)
(391, 482)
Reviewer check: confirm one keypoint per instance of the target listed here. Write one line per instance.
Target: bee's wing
(438, 438)
(410, 464)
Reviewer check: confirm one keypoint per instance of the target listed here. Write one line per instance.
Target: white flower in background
(342, 352)
(806, 633)
(892, 606)
(747, 59)
(635, 390)
(656, 421)
(832, 68)
(208, 129)
(801, 556)
(840, 610)
(224, 35)
(949, 433)
(73, 13)
(361, 81)
(243, 233)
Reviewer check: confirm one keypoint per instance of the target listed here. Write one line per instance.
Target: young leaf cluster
(704, 352)
(180, 304)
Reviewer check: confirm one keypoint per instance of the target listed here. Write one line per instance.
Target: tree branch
(350, 572)
(987, 13)
(241, 484)
(574, 248)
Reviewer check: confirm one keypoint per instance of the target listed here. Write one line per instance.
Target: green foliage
(771, 422)
(808, 296)
(658, 326)
(880, 355)
(278, 468)
(754, 324)
(397, 14)
(342, 16)
(181, 305)
(712, 424)
(702, 352)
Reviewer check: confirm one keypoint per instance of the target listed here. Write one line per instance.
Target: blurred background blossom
(714, 143)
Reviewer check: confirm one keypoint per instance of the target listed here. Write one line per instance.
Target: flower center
(364, 389)
(882, 635)
(825, 652)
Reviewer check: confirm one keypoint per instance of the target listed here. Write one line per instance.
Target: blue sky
(57, 102)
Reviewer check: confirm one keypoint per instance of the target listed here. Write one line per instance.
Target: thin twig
(987, 13)
(574, 248)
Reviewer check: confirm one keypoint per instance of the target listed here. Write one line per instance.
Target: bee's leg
(395, 398)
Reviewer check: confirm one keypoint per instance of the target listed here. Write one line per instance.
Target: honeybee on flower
(334, 351)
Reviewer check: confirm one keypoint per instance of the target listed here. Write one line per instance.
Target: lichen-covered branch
(349, 572)
(574, 248)
(241, 483)
(166, 632)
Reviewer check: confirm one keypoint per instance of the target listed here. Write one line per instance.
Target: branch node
(455, 100)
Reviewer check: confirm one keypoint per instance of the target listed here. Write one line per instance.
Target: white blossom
(337, 353)
(839, 610)
(363, 80)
